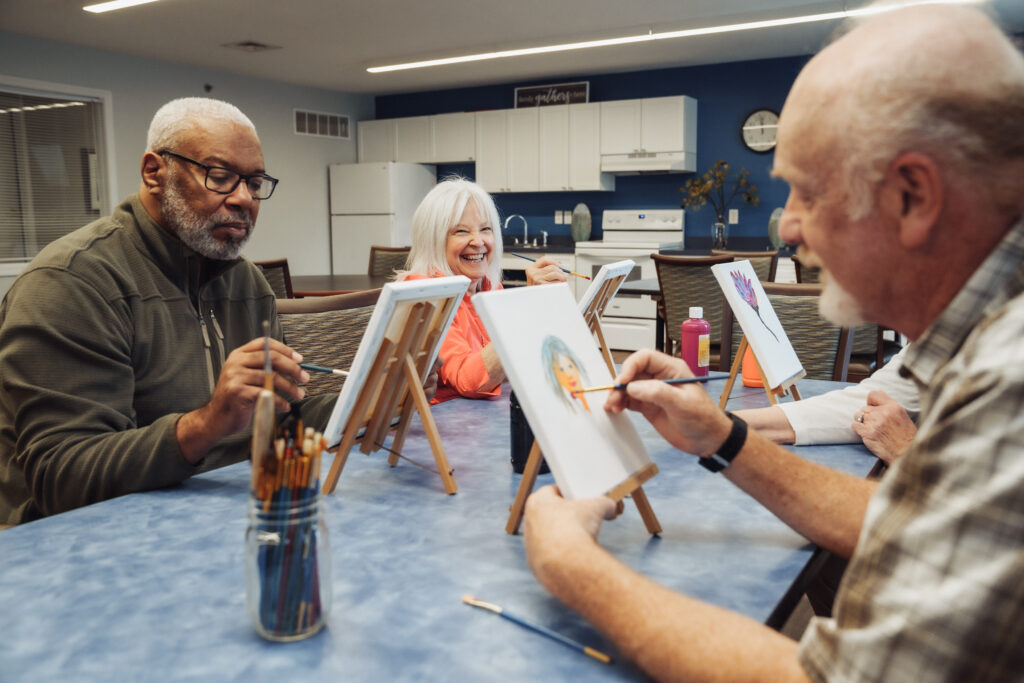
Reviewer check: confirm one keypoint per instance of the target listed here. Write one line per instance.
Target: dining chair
(386, 260)
(823, 348)
(765, 263)
(278, 276)
(687, 281)
(327, 331)
(805, 273)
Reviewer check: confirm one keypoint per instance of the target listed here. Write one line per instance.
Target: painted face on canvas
(568, 376)
(470, 246)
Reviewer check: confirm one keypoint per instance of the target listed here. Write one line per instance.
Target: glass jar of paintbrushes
(288, 558)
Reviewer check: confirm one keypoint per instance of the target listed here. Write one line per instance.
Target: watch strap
(729, 449)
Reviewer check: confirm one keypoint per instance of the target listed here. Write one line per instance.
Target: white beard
(195, 230)
(838, 305)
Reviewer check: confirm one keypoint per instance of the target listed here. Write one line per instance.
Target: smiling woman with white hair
(454, 233)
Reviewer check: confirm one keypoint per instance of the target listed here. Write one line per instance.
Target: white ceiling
(329, 43)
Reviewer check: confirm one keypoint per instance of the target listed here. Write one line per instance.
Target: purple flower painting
(746, 290)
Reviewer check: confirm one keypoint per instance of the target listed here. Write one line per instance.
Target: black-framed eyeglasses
(224, 181)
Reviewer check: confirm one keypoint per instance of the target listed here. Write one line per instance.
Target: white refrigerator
(373, 204)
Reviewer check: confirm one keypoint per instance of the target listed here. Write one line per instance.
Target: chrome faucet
(525, 234)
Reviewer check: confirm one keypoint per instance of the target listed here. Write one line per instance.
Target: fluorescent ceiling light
(644, 37)
(115, 4)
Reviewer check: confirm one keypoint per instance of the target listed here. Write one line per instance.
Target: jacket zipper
(219, 336)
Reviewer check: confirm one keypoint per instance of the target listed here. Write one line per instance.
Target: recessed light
(113, 5)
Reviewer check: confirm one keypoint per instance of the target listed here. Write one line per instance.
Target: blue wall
(725, 93)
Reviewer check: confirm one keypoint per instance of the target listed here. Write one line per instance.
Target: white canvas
(607, 272)
(761, 327)
(388, 322)
(590, 452)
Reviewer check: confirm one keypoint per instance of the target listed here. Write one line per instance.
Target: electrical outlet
(558, 218)
(734, 216)
(567, 217)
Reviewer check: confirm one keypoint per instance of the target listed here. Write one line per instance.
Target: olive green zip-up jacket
(107, 338)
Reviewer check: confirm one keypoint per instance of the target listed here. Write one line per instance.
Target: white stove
(629, 322)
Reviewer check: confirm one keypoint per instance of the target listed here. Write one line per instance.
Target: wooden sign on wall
(558, 93)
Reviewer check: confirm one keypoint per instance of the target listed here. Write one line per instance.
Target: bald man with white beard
(903, 145)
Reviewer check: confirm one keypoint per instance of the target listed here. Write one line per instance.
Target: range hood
(636, 163)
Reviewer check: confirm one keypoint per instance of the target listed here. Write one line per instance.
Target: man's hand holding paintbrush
(238, 388)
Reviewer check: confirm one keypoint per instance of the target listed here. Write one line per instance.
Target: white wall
(294, 222)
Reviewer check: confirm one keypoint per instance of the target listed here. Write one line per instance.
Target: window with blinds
(51, 169)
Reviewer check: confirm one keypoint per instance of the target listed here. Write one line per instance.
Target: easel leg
(734, 371)
(646, 511)
(429, 426)
(526, 483)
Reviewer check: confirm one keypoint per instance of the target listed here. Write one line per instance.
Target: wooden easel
(773, 392)
(632, 485)
(394, 388)
(594, 311)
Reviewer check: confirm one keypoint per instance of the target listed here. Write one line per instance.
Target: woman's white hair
(178, 117)
(439, 211)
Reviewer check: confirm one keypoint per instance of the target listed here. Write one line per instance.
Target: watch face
(759, 130)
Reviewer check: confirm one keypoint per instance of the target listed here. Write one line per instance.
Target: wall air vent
(321, 124)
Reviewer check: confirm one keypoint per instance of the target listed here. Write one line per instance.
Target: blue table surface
(151, 586)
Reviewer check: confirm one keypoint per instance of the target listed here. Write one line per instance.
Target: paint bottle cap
(696, 312)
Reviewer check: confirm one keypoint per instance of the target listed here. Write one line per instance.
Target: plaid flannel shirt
(935, 588)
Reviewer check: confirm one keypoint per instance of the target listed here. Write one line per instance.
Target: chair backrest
(386, 260)
(688, 281)
(277, 274)
(804, 273)
(327, 330)
(765, 263)
(823, 348)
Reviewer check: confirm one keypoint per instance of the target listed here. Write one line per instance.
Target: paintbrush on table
(569, 642)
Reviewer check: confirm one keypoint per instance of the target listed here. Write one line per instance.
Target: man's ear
(154, 173)
(916, 187)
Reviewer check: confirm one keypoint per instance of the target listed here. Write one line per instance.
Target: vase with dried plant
(717, 188)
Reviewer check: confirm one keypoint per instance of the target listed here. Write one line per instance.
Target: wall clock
(759, 129)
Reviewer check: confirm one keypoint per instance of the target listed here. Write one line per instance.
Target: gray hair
(944, 81)
(177, 117)
(441, 209)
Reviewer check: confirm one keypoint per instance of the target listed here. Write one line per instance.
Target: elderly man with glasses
(131, 350)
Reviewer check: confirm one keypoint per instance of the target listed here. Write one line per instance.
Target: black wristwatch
(728, 450)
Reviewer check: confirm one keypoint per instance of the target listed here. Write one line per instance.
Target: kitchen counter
(557, 244)
(699, 245)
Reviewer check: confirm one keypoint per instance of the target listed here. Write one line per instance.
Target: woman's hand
(544, 271)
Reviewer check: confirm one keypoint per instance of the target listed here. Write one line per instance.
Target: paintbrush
(564, 270)
(263, 415)
(491, 607)
(313, 367)
(678, 380)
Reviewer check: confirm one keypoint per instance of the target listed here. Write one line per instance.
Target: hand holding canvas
(234, 397)
(683, 414)
(884, 426)
(554, 526)
(544, 271)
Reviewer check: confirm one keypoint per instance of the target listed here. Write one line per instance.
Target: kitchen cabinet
(507, 150)
(653, 124)
(454, 137)
(492, 150)
(523, 150)
(376, 140)
(413, 139)
(570, 155)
